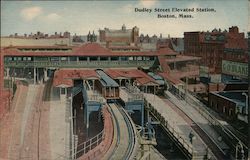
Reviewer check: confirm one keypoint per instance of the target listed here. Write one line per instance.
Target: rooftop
(170, 78)
(106, 80)
(87, 49)
(234, 96)
(140, 77)
(64, 77)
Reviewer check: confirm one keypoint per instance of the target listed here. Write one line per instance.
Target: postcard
(141, 79)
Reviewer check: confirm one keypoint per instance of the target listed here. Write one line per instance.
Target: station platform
(178, 124)
(127, 96)
(198, 118)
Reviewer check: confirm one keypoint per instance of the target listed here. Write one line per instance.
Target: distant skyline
(80, 17)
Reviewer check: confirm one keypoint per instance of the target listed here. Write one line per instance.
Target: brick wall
(216, 87)
(222, 106)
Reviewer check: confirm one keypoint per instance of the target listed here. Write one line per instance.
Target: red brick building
(215, 46)
(229, 104)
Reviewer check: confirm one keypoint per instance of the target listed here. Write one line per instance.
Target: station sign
(235, 68)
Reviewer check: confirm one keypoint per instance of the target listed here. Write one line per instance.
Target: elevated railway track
(126, 141)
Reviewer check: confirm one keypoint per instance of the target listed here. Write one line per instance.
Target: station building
(231, 105)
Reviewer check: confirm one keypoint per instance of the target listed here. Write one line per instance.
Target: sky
(81, 16)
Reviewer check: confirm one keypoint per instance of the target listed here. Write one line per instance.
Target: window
(152, 58)
(64, 58)
(124, 58)
(130, 58)
(62, 90)
(54, 58)
(224, 109)
(114, 58)
(103, 58)
(139, 58)
(212, 105)
(82, 58)
(230, 112)
(7, 58)
(92, 58)
(72, 58)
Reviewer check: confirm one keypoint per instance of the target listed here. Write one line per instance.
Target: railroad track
(218, 153)
(126, 134)
(231, 136)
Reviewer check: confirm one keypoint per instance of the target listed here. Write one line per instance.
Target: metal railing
(79, 64)
(91, 143)
(71, 136)
(209, 152)
(88, 145)
(96, 97)
(134, 93)
(227, 134)
(176, 135)
(77, 89)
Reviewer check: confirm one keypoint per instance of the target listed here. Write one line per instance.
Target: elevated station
(105, 103)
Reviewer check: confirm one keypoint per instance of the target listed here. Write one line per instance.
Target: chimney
(107, 44)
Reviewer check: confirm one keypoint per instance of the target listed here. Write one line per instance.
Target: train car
(107, 86)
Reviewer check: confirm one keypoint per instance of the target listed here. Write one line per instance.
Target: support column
(36, 76)
(77, 60)
(45, 72)
(87, 125)
(109, 91)
(120, 82)
(60, 93)
(84, 83)
(129, 81)
(105, 92)
(93, 81)
(142, 116)
(99, 115)
(66, 92)
(8, 72)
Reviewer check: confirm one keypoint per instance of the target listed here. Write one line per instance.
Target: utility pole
(186, 89)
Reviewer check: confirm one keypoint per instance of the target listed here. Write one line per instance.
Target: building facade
(124, 35)
(215, 46)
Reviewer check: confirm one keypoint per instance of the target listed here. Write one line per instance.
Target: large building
(215, 46)
(121, 36)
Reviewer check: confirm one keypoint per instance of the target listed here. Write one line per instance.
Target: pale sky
(81, 16)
